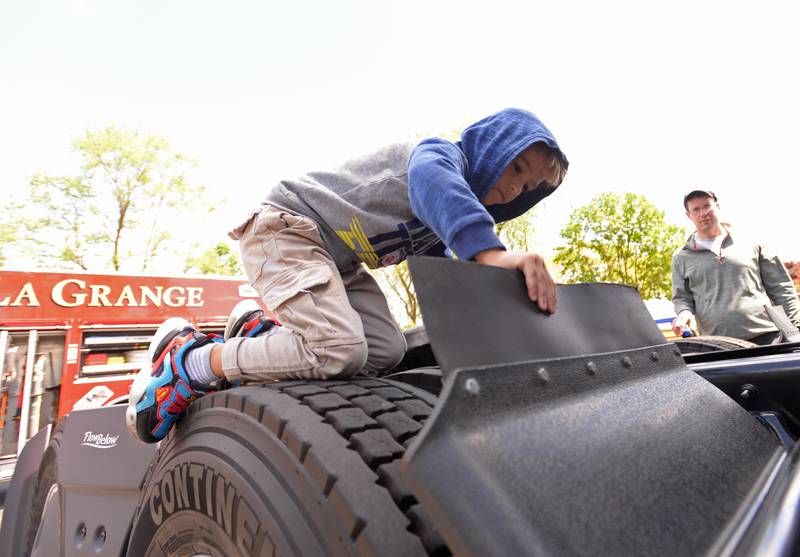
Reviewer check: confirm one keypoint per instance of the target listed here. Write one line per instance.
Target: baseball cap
(697, 193)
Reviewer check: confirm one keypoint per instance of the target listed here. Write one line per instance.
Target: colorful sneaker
(247, 319)
(161, 392)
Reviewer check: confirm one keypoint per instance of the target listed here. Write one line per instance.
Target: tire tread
(711, 343)
(378, 419)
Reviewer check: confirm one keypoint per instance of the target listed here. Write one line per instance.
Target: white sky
(650, 97)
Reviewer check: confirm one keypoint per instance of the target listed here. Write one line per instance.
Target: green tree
(60, 220)
(216, 260)
(118, 209)
(517, 234)
(396, 283)
(620, 239)
(7, 234)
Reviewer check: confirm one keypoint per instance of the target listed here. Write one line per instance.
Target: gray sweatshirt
(362, 209)
(727, 293)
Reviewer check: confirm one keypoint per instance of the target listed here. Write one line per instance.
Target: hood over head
(492, 143)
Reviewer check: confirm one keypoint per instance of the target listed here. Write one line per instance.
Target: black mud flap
(477, 315)
(579, 433)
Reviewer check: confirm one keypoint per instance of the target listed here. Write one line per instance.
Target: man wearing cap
(724, 282)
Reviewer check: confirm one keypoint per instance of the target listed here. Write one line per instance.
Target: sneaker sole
(242, 313)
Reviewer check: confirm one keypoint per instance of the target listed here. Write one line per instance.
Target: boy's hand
(541, 288)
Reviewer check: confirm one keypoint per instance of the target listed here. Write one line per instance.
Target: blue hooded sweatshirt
(418, 199)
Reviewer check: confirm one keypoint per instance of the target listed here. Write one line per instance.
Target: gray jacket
(727, 294)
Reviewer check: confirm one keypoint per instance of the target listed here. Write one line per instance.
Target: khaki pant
(333, 324)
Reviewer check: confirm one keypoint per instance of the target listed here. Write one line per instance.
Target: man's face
(524, 173)
(702, 211)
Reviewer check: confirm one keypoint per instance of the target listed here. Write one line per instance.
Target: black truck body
(578, 433)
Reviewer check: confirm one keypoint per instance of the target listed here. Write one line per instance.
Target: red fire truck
(76, 340)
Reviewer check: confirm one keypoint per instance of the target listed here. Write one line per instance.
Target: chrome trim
(33, 339)
(762, 361)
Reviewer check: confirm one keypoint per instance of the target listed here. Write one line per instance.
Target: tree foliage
(216, 260)
(7, 234)
(395, 281)
(622, 239)
(61, 219)
(517, 234)
(118, 209)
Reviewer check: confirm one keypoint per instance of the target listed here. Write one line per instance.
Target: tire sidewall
(711, 343)
(198, 488)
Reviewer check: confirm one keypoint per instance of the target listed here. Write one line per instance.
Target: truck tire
(693, 345)
(45, 480)
(292, 468)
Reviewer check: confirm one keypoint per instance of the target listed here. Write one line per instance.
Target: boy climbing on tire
(304, 250)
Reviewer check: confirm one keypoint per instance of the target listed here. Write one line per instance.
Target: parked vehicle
(579, 433)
